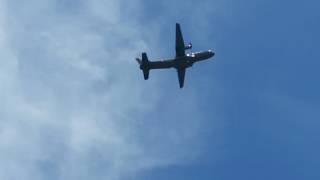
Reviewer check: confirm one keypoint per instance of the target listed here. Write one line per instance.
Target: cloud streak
(73, 106)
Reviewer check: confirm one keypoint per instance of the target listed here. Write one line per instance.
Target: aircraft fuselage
(179, 62)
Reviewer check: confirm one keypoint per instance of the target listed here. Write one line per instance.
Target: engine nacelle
(189, 46)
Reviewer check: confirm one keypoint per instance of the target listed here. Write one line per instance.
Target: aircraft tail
(146, 74)
(144, 66)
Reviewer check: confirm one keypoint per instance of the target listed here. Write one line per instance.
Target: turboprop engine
(189, 46)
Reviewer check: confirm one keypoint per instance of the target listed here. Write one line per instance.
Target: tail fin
(139, 61)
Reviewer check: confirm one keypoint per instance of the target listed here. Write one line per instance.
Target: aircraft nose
(211, 53)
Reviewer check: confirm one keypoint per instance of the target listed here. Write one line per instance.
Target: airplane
(180, 62)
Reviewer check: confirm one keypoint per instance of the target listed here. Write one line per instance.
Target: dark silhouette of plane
(180, 62)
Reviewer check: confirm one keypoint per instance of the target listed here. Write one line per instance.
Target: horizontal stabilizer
(144, 66)
(146, 74)
(145, 60)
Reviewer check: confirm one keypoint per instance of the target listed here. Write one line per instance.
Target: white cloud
(73, 103)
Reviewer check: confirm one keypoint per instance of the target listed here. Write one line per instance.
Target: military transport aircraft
(180, 62)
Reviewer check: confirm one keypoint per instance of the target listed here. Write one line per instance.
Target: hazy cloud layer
(73, 103)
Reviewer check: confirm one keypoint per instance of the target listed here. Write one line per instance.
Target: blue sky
(263, 87)
(75, 105)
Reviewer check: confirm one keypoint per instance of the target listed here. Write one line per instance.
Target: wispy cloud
(73, 105)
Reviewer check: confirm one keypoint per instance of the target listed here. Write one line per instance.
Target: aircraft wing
(180, 47)
(181, 75)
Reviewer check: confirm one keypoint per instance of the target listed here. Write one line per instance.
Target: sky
(74, 104)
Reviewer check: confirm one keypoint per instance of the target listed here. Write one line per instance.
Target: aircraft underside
(180, 62)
